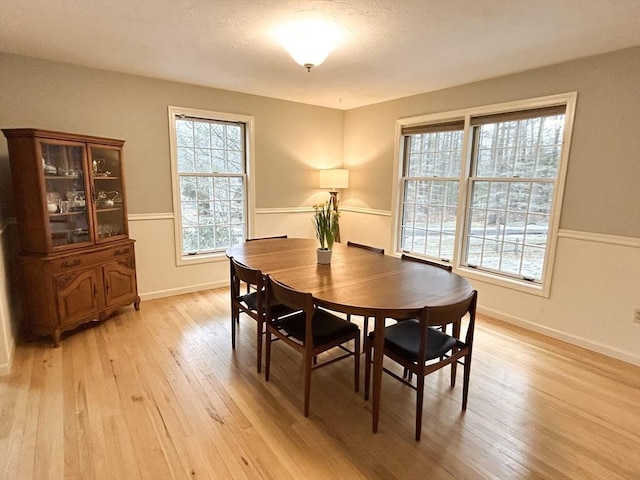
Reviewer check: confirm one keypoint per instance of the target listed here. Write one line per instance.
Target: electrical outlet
(636, 316)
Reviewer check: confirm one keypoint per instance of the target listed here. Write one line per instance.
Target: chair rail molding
(633, 242)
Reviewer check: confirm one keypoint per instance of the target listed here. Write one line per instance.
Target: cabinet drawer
(92, 258)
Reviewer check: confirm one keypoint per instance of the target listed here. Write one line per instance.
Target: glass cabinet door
(64, 180)
(108, 192)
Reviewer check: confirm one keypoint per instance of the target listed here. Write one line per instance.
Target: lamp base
(334, 200)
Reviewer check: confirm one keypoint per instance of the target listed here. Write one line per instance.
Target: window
(209, 163)
(431, 185)
(482, 189)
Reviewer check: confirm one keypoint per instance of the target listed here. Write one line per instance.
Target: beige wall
(603, 182)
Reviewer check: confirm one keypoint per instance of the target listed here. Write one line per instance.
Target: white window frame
(544, 287)
(249, 121)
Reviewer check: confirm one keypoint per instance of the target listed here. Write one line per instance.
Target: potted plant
(325, 222)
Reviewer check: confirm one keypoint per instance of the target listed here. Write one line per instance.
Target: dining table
(356, 282)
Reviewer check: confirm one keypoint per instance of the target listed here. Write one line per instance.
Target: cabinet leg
(56, 338)
(136, 304)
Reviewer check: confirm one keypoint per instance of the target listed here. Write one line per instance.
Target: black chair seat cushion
(326, 327)
(251, 301)
(403, 339)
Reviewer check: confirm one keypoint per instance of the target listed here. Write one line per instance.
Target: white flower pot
(324, 256)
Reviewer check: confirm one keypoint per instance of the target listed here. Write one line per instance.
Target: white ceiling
(390, 48)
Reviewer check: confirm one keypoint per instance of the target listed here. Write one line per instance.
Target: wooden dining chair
(261, 238)
(443, 266)
(265, 238)
(252, 304)
(365, 323)
(448, 268)
(310, 332)
(365, 247)
(419, 347)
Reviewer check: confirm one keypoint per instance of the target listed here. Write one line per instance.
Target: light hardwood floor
(160, 394)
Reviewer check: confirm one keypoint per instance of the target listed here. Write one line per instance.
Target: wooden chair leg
(233, 327)
(367, 366)
(356, 366)
(307, 383)
(465, 383)
(366, 330)
(454, 370)
(259, 328)
(419, 401)
(267, 355)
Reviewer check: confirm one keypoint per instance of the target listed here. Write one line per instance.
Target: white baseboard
(628, 357)
(180, 291)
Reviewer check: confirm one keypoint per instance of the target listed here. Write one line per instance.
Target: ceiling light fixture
(309, 42)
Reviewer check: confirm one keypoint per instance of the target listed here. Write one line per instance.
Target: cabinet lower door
(78, 295)
(120, 282)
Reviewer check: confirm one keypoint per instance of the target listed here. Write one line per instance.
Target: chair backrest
(448, 268)
(265, 238)
(365, 247)
(446, 314)
(240, 272)
(281, 293)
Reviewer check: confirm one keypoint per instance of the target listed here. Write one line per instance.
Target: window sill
(185, 260)
(540, 290)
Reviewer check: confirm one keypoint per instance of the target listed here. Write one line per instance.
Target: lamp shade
(334, 178)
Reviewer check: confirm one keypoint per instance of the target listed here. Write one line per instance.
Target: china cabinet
(76, 259)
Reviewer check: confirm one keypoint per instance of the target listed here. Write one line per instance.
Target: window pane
(189, 213)
(236, 188)
(184, 133)
(218, 161)
(533, 262)
(185, 160)
(205, 188)
(236, 210)
(187, 188)
(237, 234)
(234, 138)
(234, 162)
(190, 239)
(206, 213)
(206, 238)
(222, 236)
(203, 160)
(221, 188)
(202, 135)
(217, 136)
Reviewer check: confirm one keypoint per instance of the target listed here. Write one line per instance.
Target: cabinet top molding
(34, 132)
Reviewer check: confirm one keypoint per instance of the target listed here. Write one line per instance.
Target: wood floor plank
(14, 397)
(160, 394)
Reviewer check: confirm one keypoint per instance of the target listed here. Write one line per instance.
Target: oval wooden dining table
(357, 281)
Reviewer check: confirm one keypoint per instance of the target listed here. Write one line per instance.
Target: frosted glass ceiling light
(309, 43)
